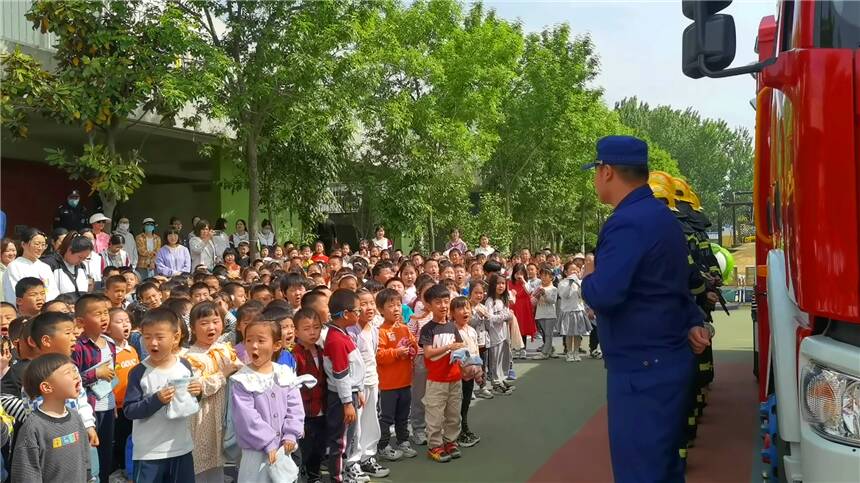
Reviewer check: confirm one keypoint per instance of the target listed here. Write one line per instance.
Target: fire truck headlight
(831, 403)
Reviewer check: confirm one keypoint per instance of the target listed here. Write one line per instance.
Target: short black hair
(26, 284)
(632, 174)
(312, 297)
(260, 287)
(305, 313)
(40, 369)
(292, 280)
(115, 279)
(341, 300)
(459, 302)
(249, 310)
(140, 289)
(46, 324)
(202, 309)
(199, 286)
(83, 304)
(276, 313)
(437, 291)
(160, 315)
(386, 295)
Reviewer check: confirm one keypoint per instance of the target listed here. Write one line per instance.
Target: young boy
(545, 315)
(126, 359)
(7, 315)
(200, 293)
(54, 333)
(262, 293)
(362, 451)
(162, 446)
(397, 349)
(293, 288)
(95, 356)
(52, 444)
(309, 360)
(461, 313)
(148, 295)
(444, 392)
(283, 317)
(116, 288)
(344, 370)
(29, 296)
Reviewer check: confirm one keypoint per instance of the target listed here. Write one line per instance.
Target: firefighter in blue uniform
(650, 326)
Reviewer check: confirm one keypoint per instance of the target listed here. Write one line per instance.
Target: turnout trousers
(646, 422)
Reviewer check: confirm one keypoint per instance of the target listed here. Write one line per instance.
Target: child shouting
(126, 359)
(52, 443)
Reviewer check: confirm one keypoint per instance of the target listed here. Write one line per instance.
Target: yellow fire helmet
(662, 178)
(695, 204)
(661, 193)
(682, 191)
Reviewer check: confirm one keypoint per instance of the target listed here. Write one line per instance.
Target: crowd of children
(283, 367)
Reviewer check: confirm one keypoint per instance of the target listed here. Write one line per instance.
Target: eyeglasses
(38, 244)
(356, 311)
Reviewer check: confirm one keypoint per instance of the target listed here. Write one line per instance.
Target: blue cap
(620, 151)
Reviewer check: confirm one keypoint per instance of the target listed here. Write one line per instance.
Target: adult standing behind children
(33, 242)
(648, 319)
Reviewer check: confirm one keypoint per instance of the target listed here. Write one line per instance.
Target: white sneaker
(540, 356)
(390, 453)
(407, 450)
(355, 473)
(570, 358)
(577, 358)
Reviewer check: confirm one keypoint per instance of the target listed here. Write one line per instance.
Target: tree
(713, 157)
(286, 93)
(437, 77)
(115, 59)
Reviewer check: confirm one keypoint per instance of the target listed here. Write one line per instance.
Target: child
(444, 393)
(162, 446)
(95, 356)
(115, 255)
(461, 311)
(262, 293)
(283, 317)
(419, 372)
(213, 362)
(8, 313)
(126, 359)
(309, 360)
(362, 451)
(200, 293)
(293, 288)
(29, 296)
(267, 411)
(573, 323)
(52, 443)
(149, 295)
(479, 321)
(545, 314)
(344, 370)
(498, 334)
(397, 349)
(116, 288)
(246, 313)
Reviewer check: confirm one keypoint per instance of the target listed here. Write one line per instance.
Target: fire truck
(807, 215)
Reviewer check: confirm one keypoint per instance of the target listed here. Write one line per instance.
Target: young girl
(498, 340)
(546, 295)
(461, 312)
(522, 307)
(213, 362)
(126, 358)
(480, 318)
(573, 322)
(267, 406)
(408, 274)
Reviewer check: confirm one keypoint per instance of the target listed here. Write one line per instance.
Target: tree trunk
(109, 201)
(253, 190)
(432, 234)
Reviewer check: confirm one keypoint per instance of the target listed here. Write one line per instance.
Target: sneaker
(419, 437)
(539, 356)
(453, 450)
(512, 376)
(501, 390)
(597, 354)
(355, 473)
(373, 469)
(508, 385)
(484, 393)
(468, 439)
(577, 358)
(407, 450)
(570, 357)
(390, 453)
(439, 455)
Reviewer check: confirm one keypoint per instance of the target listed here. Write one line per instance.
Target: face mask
(122, 227)
(149, 228)
(73, 202)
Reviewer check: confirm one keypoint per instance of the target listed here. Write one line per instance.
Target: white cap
(579, 256)
(148, 220)
(98, 217)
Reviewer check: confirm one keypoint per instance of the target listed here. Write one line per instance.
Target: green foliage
(113, 59)
(714, 158)
(436, 77)
(493, 221)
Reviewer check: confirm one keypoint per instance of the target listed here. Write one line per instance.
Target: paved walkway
(553, 428)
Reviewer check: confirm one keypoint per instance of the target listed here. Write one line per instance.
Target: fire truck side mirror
(711, 43)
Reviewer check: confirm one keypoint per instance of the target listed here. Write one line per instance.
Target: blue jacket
(640, 287)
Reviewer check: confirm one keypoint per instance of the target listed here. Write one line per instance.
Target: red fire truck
(807, 211)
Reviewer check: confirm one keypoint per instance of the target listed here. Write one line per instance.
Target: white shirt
(570, 294)
(546, 303)
(485, 251)
(382, 244)
(130, 246)
(23, 267)
(64, 282)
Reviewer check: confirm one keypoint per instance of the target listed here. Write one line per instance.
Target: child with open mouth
(213, 362)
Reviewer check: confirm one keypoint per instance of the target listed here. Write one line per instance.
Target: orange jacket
(394, 372)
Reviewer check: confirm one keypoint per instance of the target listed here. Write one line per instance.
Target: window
(837, 24)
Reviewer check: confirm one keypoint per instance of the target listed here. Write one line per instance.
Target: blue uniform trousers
(647, 410)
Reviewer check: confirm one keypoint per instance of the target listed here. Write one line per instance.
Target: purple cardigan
(170, 263)
(264, 420)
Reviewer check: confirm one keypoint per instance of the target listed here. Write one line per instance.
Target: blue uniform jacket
(640, 287)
